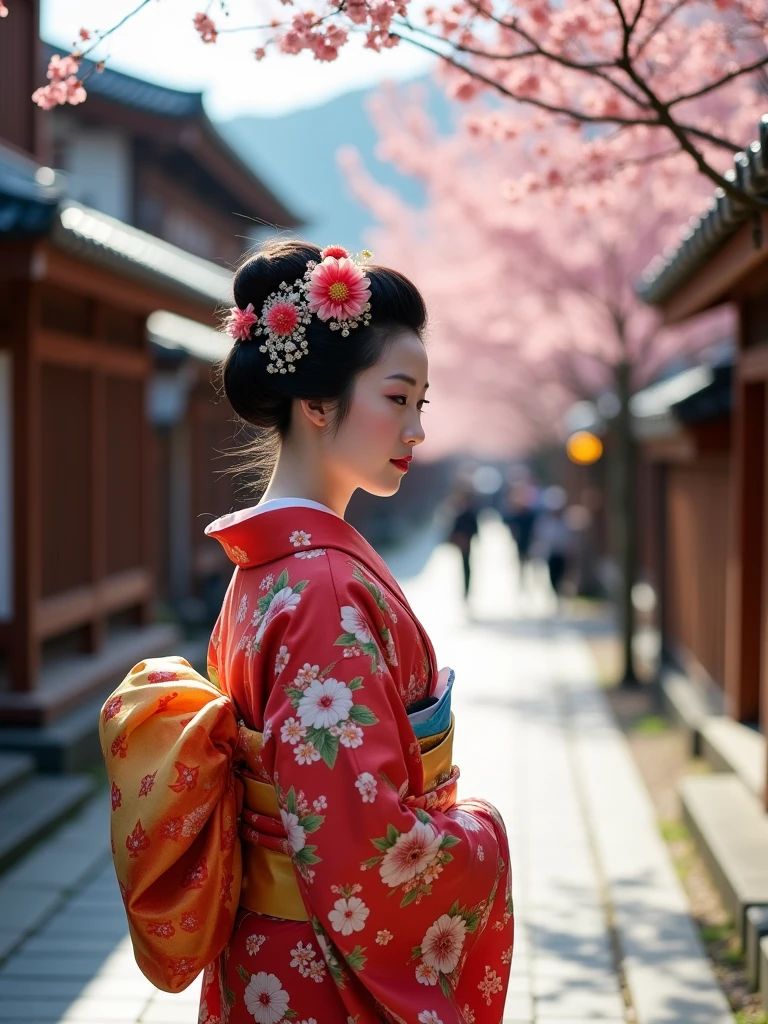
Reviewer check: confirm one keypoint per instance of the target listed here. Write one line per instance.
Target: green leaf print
(356, 959)
(326, 745)
(373, 590)
(306, 856)
(409, 897)
(294, 695)
(373, 861)
(392, 834)
(423, 817)
(356, 683)
(362, 715)
(290, 801)
(281, 582)
(298, 587)
(312, 822)
(449, 841)
(229, 995)
(243, 973)
(345, 640)
(446, 988)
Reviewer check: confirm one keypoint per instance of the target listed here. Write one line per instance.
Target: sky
(160, 44)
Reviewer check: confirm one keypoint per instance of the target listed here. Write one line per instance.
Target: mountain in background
(295, 155)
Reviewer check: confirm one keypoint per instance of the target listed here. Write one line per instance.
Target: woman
(359, 889)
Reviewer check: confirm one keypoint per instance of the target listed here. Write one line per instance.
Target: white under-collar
(233, 518)
(273, 503)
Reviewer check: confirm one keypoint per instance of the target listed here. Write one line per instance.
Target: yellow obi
(269, 884)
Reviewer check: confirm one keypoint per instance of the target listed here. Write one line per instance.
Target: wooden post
(744, 579)
(98, 478)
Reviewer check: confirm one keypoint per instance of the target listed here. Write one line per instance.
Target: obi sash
(269, 884)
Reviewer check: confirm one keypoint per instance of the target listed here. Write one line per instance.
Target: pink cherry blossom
(205, 26)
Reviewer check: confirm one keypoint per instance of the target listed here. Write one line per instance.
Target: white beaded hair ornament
(336, 290)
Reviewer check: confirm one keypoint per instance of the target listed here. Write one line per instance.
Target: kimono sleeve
(168, 739)
(397, 895)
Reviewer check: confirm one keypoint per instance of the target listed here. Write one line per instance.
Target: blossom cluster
(64, 86)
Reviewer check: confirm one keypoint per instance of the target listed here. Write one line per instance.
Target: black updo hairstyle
(328, 369)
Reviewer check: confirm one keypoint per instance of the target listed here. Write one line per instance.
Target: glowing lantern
(584, 448)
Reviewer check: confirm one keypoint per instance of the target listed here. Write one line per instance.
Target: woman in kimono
(290, 825)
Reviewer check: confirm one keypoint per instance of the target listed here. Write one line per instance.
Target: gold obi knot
(269, 883)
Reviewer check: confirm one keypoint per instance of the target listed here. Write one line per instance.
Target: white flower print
(469, 1013)
(265, 998)
(490, 984)
(317, 971)
(254, 943)
(353, 621)
(412, 853)
(429, 1017)
(296, 834)
(426, 974)
(383, 937)
(319, 805)
(441, 946)
(352, 652)
(324, 704)
(282, 659)
(303, 956)
(307, 674)
(480, 853)
(292, 731)
(284, 601)
(242, 609)
(266, 735)
(430, 875)
(268, 582)
(349, 915)
(299, 538)
(306, 753)
(367, 786)
(316, 553)
(350, 735)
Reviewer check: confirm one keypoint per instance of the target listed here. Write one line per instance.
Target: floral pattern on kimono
(408, 892)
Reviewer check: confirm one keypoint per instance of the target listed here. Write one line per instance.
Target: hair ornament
(337, 290)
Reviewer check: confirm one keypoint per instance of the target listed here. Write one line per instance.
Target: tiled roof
(96, 236)
(179, 335)
(135, 92)
(668, 272)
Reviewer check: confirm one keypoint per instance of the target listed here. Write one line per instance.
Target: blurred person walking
(552, 538)
(464, 527)
(520, 515)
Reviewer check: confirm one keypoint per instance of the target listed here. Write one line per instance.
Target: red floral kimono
(360, 891)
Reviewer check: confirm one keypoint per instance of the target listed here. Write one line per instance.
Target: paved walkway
(603, 933)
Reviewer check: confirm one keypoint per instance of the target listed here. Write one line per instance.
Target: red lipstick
(402, 463)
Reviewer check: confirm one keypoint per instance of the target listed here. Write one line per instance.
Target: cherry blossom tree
(647, 78)
(532, 294)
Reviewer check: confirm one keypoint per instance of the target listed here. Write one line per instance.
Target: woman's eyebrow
(405, 377)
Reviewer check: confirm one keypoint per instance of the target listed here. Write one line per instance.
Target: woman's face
(384, 421)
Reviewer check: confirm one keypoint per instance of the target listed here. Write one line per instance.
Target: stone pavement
(603, 933)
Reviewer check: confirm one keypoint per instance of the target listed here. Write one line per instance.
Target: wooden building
(101, 485)
(715, 522)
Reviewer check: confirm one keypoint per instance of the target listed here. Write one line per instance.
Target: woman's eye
(396, 398)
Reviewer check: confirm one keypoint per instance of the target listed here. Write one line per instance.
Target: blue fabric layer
(440, 717)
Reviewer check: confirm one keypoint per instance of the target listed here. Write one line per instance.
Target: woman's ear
(315, 410)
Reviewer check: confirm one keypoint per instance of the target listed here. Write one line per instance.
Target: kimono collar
(290, 526)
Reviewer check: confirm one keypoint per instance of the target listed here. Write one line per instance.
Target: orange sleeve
(168, 737)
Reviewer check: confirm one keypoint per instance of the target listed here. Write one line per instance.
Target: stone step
(32, 808)
(14, 768)
(731, 832)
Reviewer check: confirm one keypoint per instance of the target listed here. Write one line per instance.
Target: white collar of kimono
(273, 503)
(243, 514)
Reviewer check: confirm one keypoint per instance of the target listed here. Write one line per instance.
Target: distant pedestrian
(552, 537)
(464, 527)
(520, 517)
